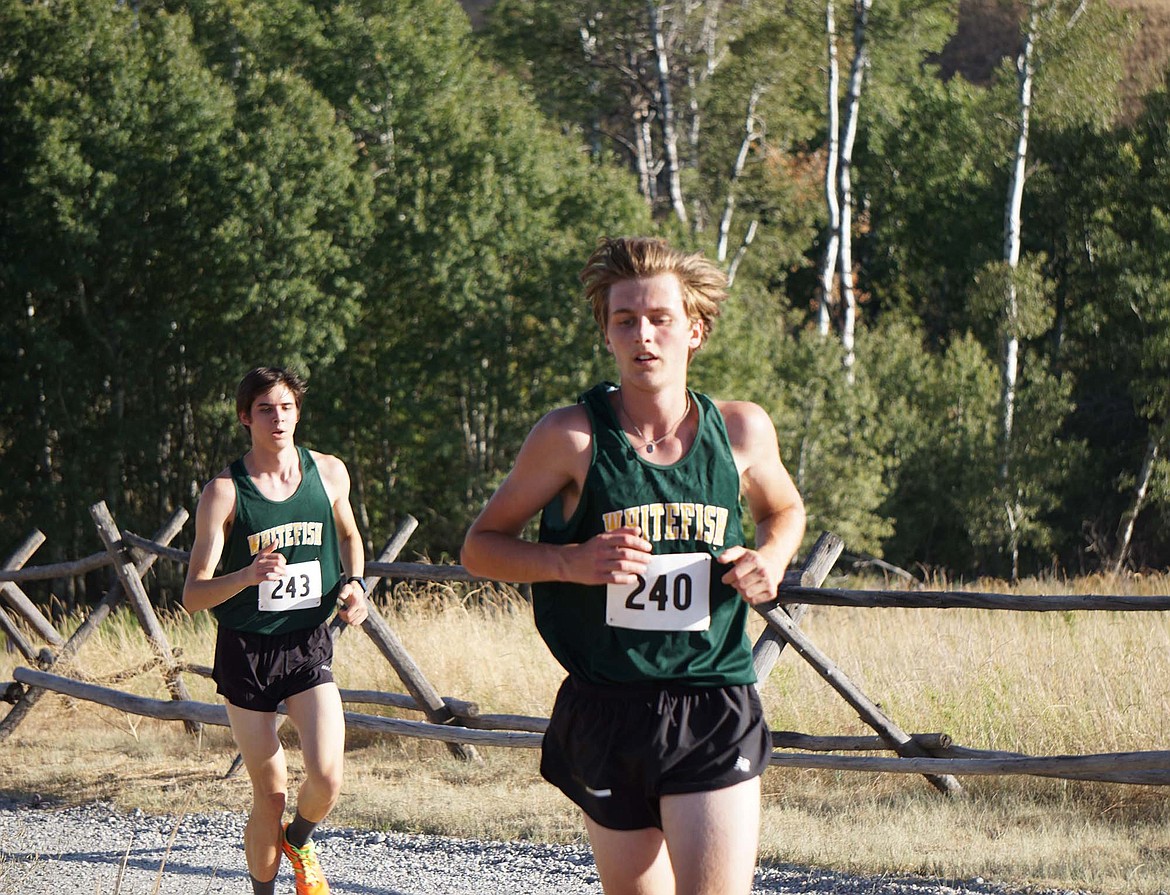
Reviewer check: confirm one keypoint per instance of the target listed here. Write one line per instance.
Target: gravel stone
(95, 850)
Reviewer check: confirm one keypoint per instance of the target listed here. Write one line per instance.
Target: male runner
(280, 519)
(642, 579)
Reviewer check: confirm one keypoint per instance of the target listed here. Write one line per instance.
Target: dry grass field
(1039, 683)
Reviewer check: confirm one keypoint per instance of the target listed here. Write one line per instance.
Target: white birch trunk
(749, 136)
(829, 259)
(1125, 529)
(1025, 73)
(698, 212)
(845, 182)
(642, 150)
(740, 252)
(1011, 242)
(708, 35)
(666, 109)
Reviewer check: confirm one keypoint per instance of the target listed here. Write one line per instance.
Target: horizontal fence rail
(922, 599)
(788, 592)
(1107, 766)
(462, 725)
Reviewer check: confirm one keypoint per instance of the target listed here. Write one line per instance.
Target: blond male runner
(280, 519)
(641, 583)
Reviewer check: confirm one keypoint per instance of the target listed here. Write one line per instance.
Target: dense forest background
(947, 226)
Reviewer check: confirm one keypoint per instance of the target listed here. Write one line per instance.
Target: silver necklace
(646, 442)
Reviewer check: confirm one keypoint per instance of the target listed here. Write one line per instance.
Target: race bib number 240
(673, 594)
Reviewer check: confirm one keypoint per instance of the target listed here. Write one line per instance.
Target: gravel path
(93, 850)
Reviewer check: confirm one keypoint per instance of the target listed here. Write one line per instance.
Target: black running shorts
(615, 751)
(259, 671)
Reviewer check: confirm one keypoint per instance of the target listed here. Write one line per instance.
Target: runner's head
(704, 286)
(260, 380)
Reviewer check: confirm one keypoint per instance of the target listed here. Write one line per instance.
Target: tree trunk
(1125, 528)
(749, 137)
(642, 150)
(707, 43)
(829, 258)
(845, 182)
(1025, 73)
(743, 247)
(709, 33)
(666, 109)
(1011, 238)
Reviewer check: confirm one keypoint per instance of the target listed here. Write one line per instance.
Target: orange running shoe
(310, 879)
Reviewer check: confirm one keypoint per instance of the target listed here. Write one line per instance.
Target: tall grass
(1040, 683)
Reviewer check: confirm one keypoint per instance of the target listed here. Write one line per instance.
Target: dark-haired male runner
(280, 519)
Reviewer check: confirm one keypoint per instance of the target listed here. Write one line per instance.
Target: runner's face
(648, 330)
(274, 416)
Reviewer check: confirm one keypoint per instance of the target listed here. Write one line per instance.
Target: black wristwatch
(360, 580)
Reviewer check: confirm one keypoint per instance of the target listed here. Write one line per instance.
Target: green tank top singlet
(690, 507)
(303, 528)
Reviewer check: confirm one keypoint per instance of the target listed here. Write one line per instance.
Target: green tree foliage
(937, 241)
(369, 191)
(935, 195)
(1087, 199)
(474, 326)
(939, 411)
(736, 74)
(758, 102)
(160, 230)
(1102, 204)
(471, 326)
(902, 36)
(833, 439)
(842, 462)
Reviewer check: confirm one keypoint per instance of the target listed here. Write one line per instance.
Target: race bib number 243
(300, 588)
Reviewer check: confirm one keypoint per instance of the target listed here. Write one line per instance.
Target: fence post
(109, 603)
(140, 600)
(427, 697)
(18, 600)
(16, 638)
(816, 568)
(900, 741)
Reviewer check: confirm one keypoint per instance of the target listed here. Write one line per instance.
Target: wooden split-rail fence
(461, 726)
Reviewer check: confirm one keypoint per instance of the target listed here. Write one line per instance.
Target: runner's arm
(202, 588)
(553, 460)
(351, 598)
(773, 501)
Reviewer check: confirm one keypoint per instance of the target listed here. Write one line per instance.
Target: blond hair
(616, 259)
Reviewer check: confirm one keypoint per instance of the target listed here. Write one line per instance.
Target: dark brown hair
(261, 379)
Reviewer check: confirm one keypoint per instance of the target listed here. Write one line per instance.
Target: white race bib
(673, 594)
(300, 588)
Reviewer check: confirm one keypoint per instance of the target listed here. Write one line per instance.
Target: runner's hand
(268, 565)
(351, 604)
(612, 557)
(752, 576)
